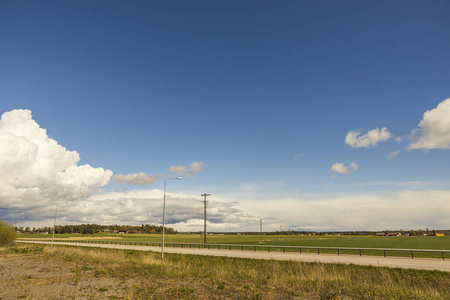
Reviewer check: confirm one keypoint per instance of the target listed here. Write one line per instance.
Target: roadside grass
(207, 277)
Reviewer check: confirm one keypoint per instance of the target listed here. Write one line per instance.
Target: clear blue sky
(262, 93)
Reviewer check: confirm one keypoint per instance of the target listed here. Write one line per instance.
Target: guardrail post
(338, 251)
(242, 248)
(384, 253)
(268, 249)
(219, 247)
(190, 246)
(230, 248)
(412, 255)
(442, 255)
(318, 250)
(359, 252)
(284, 250)
(255, 249)
(300, 250)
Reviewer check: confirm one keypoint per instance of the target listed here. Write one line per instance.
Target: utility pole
(260, 229)
(205, 203)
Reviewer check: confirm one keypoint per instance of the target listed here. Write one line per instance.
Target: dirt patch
(38, 277)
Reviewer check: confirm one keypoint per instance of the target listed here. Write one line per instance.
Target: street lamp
(54, 222)
(164, 214)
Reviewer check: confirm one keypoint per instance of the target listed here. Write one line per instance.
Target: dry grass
(186, 276)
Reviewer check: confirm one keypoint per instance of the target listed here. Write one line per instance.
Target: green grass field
(427, 242)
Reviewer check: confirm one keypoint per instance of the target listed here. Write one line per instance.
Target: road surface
(391, 262)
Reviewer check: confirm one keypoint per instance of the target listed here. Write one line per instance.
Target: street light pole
(164, 214)
(260, 229)
(205, 202)
(54, 222)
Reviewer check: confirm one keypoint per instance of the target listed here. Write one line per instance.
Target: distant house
(440, 234)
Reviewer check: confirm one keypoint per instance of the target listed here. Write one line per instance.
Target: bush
(7, 233)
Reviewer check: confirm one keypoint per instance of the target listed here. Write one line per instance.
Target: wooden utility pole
(205, 203)
(260, 229)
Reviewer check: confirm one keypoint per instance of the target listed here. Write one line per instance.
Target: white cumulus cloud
(143, 179)
(356, 139)
(36, 171)
(342, 169)
(434, 129)
(178, 169)
(194, 168)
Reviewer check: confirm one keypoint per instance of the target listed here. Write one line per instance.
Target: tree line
(95, 228)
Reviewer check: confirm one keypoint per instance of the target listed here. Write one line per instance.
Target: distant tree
(27, 229)
(412, 233)
(7, 233)
(420, 232)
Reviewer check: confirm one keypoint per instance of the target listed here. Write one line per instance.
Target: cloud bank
(140, 179)
(397, 210)
(404, 209)
(35, 171)
(434, 129)
(183, 211)
(370, 139)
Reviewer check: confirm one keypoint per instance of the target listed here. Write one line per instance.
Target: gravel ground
(36, 277)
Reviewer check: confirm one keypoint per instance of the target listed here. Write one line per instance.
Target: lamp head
(179, 178)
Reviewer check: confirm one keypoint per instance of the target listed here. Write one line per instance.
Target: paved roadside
(392, 262)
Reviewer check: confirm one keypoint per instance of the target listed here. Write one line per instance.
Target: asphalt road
(392, 262)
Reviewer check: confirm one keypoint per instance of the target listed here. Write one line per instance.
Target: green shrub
(7, 233)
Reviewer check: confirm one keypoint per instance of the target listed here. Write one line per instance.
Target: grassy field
(426, 242)
(413, 242)
(122, 274)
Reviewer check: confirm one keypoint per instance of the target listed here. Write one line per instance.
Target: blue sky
(261, 94)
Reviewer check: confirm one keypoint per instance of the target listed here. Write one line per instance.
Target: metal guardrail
(269, 248)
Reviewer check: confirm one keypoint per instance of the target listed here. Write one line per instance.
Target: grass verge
(204, 277)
